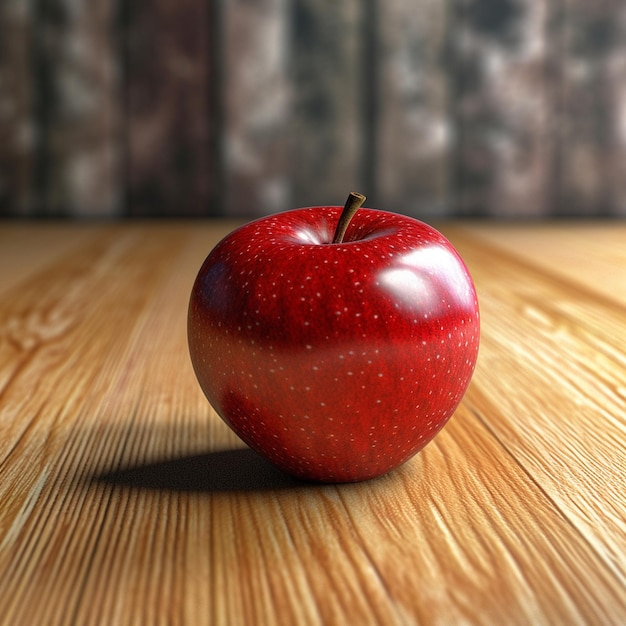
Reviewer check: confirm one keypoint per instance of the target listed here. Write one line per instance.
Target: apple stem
(353, 204)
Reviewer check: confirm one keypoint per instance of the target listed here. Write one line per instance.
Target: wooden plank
(126, 500)
(414, 132)
(77, 110)
(614, 72)
(536, 108)
(559, 392)
(31, 247)
(595, 250)
(519, 94)
(294, 112)
(593, 48)
(256, 107)
(171, 78)
(17, 133)
(502, 108)
(327, 147)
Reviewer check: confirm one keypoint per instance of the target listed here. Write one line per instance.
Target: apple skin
(336, 362)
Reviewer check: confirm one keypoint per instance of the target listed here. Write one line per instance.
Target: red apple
(335, 357)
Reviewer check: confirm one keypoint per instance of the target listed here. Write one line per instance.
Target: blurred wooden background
(201, 107)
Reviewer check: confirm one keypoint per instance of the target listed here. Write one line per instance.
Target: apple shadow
(240, 469)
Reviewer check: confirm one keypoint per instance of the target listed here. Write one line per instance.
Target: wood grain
(125, 500)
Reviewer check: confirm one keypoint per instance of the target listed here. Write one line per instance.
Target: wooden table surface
(125, 500)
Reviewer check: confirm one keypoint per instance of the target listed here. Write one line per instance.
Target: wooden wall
(200, 107)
